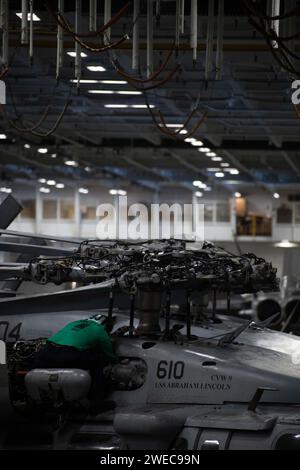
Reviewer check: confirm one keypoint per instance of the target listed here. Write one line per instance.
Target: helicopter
(185, 379)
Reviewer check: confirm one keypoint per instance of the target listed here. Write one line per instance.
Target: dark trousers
(55, 356)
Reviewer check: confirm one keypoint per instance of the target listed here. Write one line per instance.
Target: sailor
(82, 344)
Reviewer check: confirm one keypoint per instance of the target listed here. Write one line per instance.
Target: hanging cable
(279, 53)
(89, 47)
(261, 15)
(26, 129)
(162, 125)
(121, 71)
(59, 17)
(34, 128)
(296, 110)
(56, 125)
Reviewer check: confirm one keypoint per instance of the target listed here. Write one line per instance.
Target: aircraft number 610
(170, 370)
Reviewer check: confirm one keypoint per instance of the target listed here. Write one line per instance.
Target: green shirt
(85, 334)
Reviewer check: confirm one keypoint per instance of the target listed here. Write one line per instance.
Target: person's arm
(106, 345)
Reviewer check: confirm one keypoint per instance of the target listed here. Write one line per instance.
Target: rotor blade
(15, 272)
(35, 250)
(9, 210)
(12, 265)
(43, 237)
(22, 258)
(86, 298)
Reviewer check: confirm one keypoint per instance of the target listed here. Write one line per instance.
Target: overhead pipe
(194, 28)
(182, 17)
(31, 31)
(60, 44)
(157, 12)
(107, 17)
(77, 46)
(1, 14)
(149, 37)
(5, 32)
(177, 23)
(93, 15)
(220, 40)
(135, 35)
(209, 39)
(275, 11)
(24, 22)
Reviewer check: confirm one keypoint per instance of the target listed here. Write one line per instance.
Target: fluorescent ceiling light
(73, 54)
(3, 136)
(114, 82)
(216, 159)
(178, 127)
(84, 80)
(42, 180)
(42, 150)
(83, 191)
(96, 68)
(51, 182)
(128, 92)
(71, 163)
(276, 196)
(286, 244)
(34, 17)
(60, 185)
(204, 149)
(53, 155)
(44, 190)
(120, 192)
(101, 92)
(87, 168)
(207, 188)
(6, 190)
(197, 143)
(225, 164)
(211, 154)
(237, 194)
(199, 184)
(27, 146)
(111, 92)
(219, 174)
(213, 169)
(142, 106)
(234, 171)
(116, 106)
(198, 194)
(189, 140)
